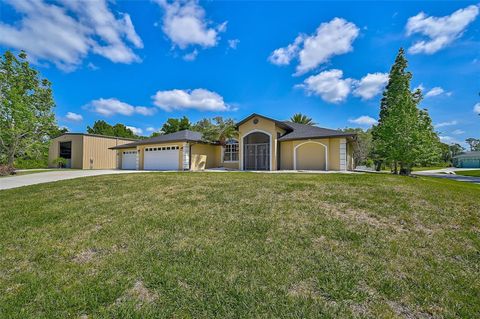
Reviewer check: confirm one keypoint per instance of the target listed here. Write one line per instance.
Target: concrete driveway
(446, 173)
(53, 176)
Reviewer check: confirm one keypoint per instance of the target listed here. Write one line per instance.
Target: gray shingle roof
(302, 131)
(180, 136)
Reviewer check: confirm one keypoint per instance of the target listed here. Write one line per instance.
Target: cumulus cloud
(233, 43)
(197, 99)
(330, 39)
(74, 117)
(191, 56)
(185, 24)
(112, 106)
(370, 85)
(151, 129)
(364, 120)
(329, 85)
(135, 130)
(476, 108)
(65, 32)
(449, 140)
(458, 132)
(443, 124)
(436, 91)
(440, 31)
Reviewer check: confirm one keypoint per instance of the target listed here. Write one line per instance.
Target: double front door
(257, 157)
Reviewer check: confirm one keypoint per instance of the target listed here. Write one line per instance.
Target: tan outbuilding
(262, 144)
(85, 151)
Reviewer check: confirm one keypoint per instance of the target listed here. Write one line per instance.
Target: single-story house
(467, 160)
(86, 151)
(263, 144)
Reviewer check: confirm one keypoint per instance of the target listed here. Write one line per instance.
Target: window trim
(231, 142)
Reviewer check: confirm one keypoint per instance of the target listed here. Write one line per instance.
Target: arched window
(230, 151)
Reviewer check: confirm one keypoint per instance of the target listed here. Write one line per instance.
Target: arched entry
(310, 155)
(256, 151)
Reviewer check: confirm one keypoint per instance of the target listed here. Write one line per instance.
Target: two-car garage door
(161, 158)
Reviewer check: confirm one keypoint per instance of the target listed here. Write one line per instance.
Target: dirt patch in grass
(139, 294)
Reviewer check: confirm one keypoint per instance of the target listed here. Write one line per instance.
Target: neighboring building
(263, 144)
(86, 151)
(467, 160)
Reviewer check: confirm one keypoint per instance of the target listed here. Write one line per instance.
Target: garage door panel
(311, 156)
(129, 160)
(161, 158)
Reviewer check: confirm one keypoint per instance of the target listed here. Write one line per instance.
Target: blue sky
(141, 62)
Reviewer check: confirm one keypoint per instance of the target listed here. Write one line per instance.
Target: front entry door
(257, 157)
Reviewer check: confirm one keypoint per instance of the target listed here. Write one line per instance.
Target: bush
(31, 163)
(6, 170)
(60, 162)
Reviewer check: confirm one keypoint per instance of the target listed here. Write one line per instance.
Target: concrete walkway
(53, 176)
(449, 173)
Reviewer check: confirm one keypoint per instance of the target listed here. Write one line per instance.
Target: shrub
(6, 170)
(31, 163)
(60, 162)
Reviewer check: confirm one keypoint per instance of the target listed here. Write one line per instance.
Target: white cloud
(191, 56)
(112, 106)
(151, 129)
(185, 24)
(476, 108)
(330, 39)
(458, 132)
(370, 85)
(233, 43)
(443, 124)
(135, 130)
(449, 140)
(364, 120)
(74, 117)
(198, 99)
(435, 91)
(65, 32)
(440, 31)
(329, 85)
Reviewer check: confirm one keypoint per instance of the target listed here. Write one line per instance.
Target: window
(230, 151)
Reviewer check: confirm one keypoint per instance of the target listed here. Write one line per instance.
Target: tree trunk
(405, 170)
(395, 168)
(378, 166)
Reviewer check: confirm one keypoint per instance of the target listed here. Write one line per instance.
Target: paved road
(46, 177)
(443, 173)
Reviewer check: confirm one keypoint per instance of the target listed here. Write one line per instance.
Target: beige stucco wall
(311, 156)
(287, 152)
(77, 150)
(262, 125)
(204, 156)
(96, 152)
(141, 152)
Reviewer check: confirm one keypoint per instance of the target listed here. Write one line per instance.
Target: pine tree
(404, 134)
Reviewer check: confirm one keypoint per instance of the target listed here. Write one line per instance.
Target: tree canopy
(404, 134)
(217, 129)
(302, 119)
(101, 127)
(27, 120)
(473, 143)
(173, 125)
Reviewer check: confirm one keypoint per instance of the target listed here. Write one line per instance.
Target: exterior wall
(96, 152)
(231, 165)
(350, 163)
(77, 150)
(287, 152)
(262, 125)
(141, 153)
(311, 156)
(204, 156)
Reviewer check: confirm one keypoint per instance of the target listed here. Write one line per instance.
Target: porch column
(186, 157)
(343, 154)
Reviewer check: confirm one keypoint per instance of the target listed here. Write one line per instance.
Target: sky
(141, 62)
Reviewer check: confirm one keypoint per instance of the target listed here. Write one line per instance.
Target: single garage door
(161, 158)
(129, 160)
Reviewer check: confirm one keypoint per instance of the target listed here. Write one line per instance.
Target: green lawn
(20, 173)
(241, 245)
(475, 173)
(428, 168)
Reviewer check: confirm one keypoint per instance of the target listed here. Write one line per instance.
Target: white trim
(240, 145)
(186, 157)
(137, 159)
(315, 142)
(222, 153)
(343, 154)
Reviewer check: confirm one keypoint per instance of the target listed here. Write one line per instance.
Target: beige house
(85, 151)
(263, 144)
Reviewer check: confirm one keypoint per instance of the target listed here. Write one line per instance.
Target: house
(467, 160)
(86, 151)
(263, 144)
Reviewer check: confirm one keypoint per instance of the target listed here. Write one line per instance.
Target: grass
(428, 168)
(241, 245)
(34, 171)
(475, 173)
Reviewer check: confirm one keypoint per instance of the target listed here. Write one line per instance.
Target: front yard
(241, 245)
(475, 173)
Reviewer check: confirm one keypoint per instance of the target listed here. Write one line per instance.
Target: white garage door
(129, 160)
(161, 158)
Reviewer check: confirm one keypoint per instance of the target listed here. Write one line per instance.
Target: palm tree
(302, 119)
(220, 130)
